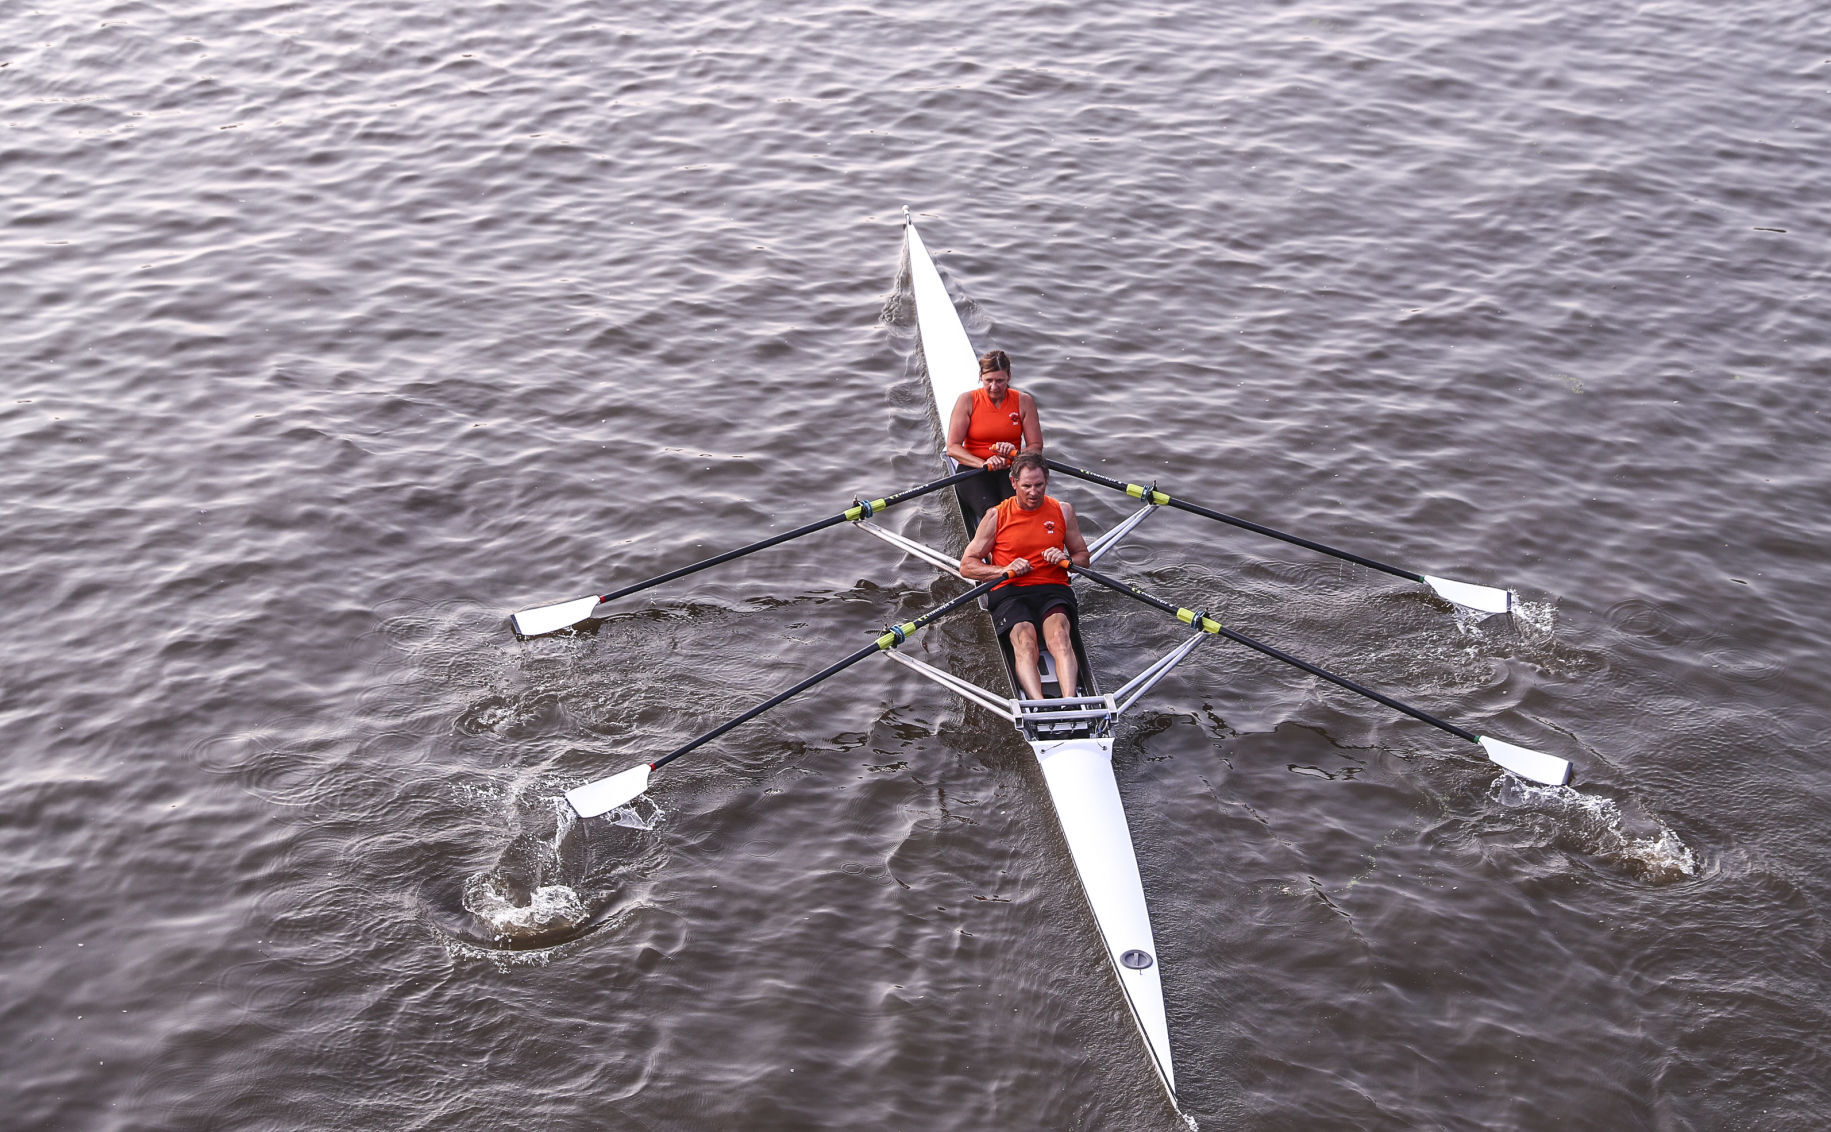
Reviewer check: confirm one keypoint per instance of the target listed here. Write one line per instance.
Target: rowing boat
(1071, 733)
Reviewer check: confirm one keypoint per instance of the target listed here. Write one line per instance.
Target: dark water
(334, 333)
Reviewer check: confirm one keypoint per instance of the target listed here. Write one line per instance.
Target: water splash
(530, 899)
(1535, 620)
(1531, 621)
(525, 900)
(504, 959)
(642, 813)
(564, 819)
(1597, 826)
(512, 913)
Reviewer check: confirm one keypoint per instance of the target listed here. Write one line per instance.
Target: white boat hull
(1078, 771)
(1086, 798)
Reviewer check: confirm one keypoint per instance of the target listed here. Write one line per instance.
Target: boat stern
(1079, 773)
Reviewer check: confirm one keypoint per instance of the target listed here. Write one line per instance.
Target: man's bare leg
(1023, 651)
(1056, 632)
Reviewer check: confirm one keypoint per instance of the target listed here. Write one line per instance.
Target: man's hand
(1055, 556)
(1018, 567)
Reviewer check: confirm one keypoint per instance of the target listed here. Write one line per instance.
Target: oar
(1548, 769)
(565, 614)
(1484, 599)
(620, 789)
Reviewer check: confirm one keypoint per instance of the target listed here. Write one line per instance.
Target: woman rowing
(989, 426)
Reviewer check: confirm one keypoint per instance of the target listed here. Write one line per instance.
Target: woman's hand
(1006, 449)
(994, 463)
(1055, 555)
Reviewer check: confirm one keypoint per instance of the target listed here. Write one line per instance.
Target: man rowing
(1032, 536)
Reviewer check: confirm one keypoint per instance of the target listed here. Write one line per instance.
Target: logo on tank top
(1049, 526)
(1017, 419)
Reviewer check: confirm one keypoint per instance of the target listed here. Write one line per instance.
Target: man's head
(1030, 479)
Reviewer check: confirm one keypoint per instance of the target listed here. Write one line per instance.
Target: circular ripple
(1640, 617)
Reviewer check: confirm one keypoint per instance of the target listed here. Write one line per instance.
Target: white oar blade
(553, 618)
(1483, 599)
(606, 794)
(1549, 769)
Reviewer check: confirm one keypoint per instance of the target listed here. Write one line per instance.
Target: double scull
(1069, 730)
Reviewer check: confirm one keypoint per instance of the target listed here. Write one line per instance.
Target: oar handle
(1209, 625)
(860, 510)
(1152, 495)
(891, 638)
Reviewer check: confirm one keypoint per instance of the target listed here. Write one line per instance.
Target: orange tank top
(1026, 534)
(991, 424)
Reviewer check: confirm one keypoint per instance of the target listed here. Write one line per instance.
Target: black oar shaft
(1208, 624)
(1152, 495)
(851, 514)
(725, 557)
(891, 639)
(831, 670)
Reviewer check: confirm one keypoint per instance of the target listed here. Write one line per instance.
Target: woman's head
(995, 371)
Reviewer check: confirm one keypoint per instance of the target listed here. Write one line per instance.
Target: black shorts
(1014, 604)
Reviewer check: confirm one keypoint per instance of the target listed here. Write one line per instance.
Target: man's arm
(973, 566)
(1071, 538)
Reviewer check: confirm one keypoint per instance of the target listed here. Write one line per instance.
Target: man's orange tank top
(1026, 534)
(992, 424)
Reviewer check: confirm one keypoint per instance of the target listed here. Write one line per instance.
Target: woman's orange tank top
(993, 424)
(1026, 534)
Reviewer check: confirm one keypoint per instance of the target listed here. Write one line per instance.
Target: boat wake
(1598, 827)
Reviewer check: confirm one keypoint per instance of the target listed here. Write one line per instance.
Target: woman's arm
(1033, 424)
(957, 423)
